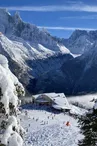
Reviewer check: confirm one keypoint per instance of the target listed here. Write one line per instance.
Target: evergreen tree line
(88, 125)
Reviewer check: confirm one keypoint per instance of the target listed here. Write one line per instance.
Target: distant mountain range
(43, 63)
(80, 41)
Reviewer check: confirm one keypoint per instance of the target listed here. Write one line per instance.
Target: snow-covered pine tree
(10, 88)
(88, 125)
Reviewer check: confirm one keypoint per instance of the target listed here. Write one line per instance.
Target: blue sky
(59, 17)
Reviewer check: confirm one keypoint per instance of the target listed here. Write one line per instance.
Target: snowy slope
(30, 51)
(76, 76)
(21, 51)
(80, 41)
(45, 63)
(87, 101)
(46, 127)
(38, 42)
(27, 61)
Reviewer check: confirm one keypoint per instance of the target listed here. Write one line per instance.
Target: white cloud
(54, 8)
(65, 28)
(74, 2)
(80, 17)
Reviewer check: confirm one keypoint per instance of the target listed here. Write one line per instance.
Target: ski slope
(47, 127)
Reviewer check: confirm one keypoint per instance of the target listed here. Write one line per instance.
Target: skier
(68, 123)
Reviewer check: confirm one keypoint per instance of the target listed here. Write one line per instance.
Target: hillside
(45, 63)
(30, 51)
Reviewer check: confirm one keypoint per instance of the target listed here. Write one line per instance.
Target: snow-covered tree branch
(10, 88)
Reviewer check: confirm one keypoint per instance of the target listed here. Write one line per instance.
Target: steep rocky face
(42, 63)
(48, 75)
(31, 52)
(76, 76)
(77, 40)
(88, 79)
(62, 79)
(17, 30)
(80, 41)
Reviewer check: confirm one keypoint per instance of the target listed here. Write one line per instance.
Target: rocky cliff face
(80, 41)
(76, 76)
(42, 62)
(31, 52)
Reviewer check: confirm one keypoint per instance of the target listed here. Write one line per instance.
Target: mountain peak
(3, 10)
(77, 33)
(17, 17)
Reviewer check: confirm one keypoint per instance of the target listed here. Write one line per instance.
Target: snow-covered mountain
(80, 41)
(30, 51)
(42, 63)
(38, 43)
(76, 76)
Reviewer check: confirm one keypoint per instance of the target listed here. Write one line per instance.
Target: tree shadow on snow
(47, 108)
